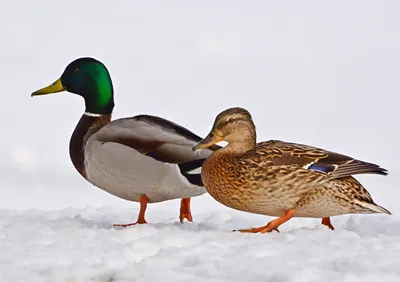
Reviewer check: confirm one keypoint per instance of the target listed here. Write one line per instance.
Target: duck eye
(230, 120)
(76, 70)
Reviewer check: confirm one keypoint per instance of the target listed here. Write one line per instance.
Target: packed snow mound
(82, 245)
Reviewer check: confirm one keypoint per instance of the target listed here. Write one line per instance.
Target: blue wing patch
(319, 168)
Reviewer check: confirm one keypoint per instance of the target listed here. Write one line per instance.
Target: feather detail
(154, 137)
(312, 158)
(357, 167)
(192, 171)
(372, 207)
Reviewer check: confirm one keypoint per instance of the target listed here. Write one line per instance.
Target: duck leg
(272, 225)
(141, 218)
(327, 221)
(185, 210)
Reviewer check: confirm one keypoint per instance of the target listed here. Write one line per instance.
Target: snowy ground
(80, 245)
(315, 72)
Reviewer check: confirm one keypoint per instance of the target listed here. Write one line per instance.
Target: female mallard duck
(144, 158)
(281, 179)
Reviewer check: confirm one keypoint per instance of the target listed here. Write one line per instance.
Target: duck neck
(88, 125)
(239, 147)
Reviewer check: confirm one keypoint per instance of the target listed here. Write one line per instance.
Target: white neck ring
(92, 114)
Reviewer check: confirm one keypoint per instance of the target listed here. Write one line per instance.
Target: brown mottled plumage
(281, 179)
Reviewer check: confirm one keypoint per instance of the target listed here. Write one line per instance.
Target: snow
(318, 73)
(40, 242)
(81, 245)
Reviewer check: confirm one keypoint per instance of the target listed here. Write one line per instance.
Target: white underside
(129, 174)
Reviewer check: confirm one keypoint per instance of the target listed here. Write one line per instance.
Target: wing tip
(381, 171)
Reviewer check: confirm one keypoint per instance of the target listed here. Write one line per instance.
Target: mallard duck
(144, 158)
(281, 179)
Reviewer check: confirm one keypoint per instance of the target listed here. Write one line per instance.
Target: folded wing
(311, 158)
(161, 140)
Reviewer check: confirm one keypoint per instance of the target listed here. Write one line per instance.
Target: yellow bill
(53, 88)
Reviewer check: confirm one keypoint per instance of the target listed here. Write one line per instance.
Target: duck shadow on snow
(363, 225)
(187, 226)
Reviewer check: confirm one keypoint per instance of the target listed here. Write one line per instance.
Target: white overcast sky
(324, 73)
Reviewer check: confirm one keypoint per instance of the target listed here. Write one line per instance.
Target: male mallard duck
(281, 179)
(146, 159)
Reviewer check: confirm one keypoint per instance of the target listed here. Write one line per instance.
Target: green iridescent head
(88, 78)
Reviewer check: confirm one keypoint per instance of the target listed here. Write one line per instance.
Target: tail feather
(374, 208)
(192, 171)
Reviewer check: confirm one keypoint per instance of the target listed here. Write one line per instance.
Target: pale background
(323, 73)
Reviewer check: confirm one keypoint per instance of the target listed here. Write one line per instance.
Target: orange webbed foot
(261, 229)
(272, 225)
(141, 218)
(185, 210)
(130, 224)
(188, 217)
(327, 221)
